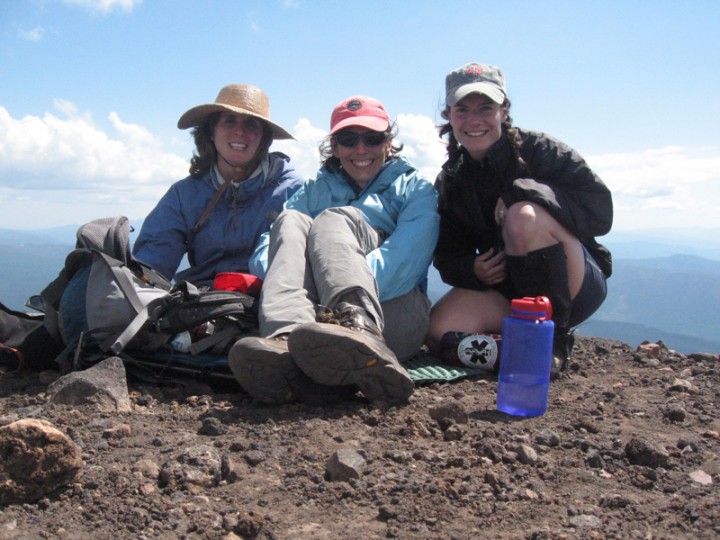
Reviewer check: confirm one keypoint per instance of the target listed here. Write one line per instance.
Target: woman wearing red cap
(344, 297)
(519, 211)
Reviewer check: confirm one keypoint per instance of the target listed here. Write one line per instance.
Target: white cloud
(73, 152)
(68, 108)
(36, 34)
(69, 166)
(422, 144)
(663, 187)
(61, 168)
(105, 6)
(133, 133)
(304, 154)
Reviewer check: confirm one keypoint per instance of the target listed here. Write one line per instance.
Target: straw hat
(236, 98)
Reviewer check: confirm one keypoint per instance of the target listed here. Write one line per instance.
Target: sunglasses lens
(347, 139)
(350, 139)
(374, 139)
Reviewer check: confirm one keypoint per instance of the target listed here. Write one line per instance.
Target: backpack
(102, 297)
(216, 318)
(32, 340)
(25, 342)
(101, 305)
(108, 235)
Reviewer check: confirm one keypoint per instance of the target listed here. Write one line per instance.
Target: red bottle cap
(538, 308)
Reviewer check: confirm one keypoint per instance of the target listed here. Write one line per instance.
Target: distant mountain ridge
(64, 235)
(637, 333)
(673, 297)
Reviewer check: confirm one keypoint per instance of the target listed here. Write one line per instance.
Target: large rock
(103, 386)
(37, 459)
(344, 465)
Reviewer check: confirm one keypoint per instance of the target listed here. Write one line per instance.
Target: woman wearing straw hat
(235, 190)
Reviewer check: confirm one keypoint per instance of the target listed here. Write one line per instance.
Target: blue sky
(92, 90)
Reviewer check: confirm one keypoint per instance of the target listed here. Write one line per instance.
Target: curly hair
(206, 154)
(332, 163)
(508, 131)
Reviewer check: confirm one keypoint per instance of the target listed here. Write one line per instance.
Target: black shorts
(592, 293)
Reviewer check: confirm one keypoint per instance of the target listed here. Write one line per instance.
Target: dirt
(629, 448)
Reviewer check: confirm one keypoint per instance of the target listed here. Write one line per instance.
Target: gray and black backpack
(106, 303)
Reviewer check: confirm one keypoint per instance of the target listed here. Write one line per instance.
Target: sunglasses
(348, 139)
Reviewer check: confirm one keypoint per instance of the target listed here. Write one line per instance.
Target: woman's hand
(489, 267)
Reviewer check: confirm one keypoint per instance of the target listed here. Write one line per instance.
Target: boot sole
(263, 369)
(333, 355)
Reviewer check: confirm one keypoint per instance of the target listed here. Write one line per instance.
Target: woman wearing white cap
(519, 211)
(235, 190)
(352, 249)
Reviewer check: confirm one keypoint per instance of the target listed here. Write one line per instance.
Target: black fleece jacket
(557, 178)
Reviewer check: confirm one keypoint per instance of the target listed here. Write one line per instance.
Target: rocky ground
(629, 448)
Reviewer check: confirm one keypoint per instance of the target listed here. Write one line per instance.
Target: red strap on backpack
(238, 282)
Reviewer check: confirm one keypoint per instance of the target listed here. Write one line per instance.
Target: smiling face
(477, 121)
(361, 162)
(237, 138)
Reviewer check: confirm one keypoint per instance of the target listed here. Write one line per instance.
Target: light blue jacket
(399, 202)
(226, 241)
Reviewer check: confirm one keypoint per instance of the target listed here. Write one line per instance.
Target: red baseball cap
(361, 111)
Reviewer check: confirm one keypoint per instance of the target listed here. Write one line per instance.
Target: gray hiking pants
(322, 261)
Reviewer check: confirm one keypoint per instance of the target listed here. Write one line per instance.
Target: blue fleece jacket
(226, 241)
(399, 201)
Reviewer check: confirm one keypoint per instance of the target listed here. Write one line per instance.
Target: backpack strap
(123, 280)
(148, 313)
(221, 337)
(200, 307)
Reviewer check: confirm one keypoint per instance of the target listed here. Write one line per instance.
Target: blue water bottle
(526, 358)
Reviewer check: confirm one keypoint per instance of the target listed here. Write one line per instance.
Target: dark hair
(332, 164)
(508, 131)
(205, 155)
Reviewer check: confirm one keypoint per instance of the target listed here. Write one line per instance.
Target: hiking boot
(350, 316)
(563, 343)
(266, 370)
(350, 350)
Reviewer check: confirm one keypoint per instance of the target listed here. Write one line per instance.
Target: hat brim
(375, 124)
(487, 89)
(198, 115)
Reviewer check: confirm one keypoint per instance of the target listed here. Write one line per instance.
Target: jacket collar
(497, 158)
(263, 169)
(391, 170)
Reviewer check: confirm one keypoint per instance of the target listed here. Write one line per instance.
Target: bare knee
(529, 226)
(523, 228)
